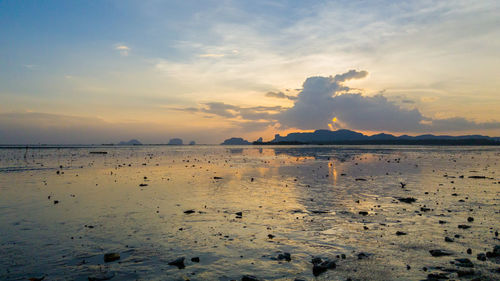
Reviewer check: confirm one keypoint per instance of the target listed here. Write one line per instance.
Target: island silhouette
(344, 136)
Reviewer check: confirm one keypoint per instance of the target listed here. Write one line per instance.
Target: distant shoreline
(438, 142)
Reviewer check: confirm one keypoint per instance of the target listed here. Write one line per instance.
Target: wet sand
(236, 211)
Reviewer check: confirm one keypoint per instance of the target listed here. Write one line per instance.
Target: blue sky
(124, 69)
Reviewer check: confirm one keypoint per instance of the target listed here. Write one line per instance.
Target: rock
(437, 276)
(189, 212)
(477, 177)
(408, 200)
(143, 184)
(109, 257)
(398, 233)
(363, 213)
(360, 179)
(362, 256)
(448, 239)
(439, 253)
(465, 262)
(320, 266)
(285, 256)
(270, 236)
(463, 226)
(36, 279)
(470, 219)
(481, 257)
(195, 259)
(102, 277)
(178, 262)
(218, 178)
(56, 202)
(239, 215)
(462, 273)
(249, 278)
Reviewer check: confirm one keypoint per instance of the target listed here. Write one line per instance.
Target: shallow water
(309, 198)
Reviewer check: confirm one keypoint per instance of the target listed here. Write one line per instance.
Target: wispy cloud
(122, 49)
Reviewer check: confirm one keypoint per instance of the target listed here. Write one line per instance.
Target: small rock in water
(109, 257)
(285, 256)
(439, 253)
(408, 200)
(249, 278)
(465, 262)
(178, 262)
(320, 266)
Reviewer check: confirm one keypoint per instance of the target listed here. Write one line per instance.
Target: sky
(81, 72)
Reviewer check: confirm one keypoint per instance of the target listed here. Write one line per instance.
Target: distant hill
(236, 141)
(175, 141)
(351, 137)
(130, 142)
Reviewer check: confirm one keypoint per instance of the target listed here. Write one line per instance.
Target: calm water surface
(303, 200)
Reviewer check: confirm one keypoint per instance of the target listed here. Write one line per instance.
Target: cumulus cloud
(325, 98)
(327, 102)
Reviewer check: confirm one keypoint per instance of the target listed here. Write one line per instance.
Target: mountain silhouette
(344, 136)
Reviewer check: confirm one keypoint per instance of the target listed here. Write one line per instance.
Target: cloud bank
(327, 102)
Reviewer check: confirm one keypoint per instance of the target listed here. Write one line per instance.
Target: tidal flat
(250, 213)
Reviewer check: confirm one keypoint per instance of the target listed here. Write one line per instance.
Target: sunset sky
(105, 71)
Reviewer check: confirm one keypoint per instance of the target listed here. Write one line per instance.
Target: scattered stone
(362, 256)
(270, 236)
(363, 213)
(360, 179)
(398, 233)
(189, 212)
(470, 219)
(218, 178)
(320, 266)
(285, 256)
(481, 257)
(477, 177)
(249, 278)
(143, 184)
(439, 253)
(437, 276)
(448, 239)
(178, 262)
(463, 226)
(110, 257)
(56, 202)
(408, 200)
(465, 262)
(462, 273)
(195, 259)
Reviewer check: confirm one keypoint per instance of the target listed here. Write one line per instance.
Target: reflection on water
(62, 209)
